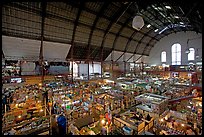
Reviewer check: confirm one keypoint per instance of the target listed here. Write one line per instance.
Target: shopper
(61, 121)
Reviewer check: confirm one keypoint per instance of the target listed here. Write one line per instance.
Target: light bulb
(102, 121)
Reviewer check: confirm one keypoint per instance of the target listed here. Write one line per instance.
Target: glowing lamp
(103, 121)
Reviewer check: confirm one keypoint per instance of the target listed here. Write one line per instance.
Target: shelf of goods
(167, 130)
(28, 127)
(85, 126)
(25, 117)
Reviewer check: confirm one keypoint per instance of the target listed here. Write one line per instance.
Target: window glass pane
(191, 55)
(176, 54)
(163, 56)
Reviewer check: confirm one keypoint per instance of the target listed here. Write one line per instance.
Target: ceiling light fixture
(138, 22)
(148, 25)
(181, 23)
(176, 17)
(168, 7)
(154, 7)
(156, 30)
(187, 48)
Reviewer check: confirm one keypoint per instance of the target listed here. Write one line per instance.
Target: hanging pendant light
(197, 55)
(137, 22)
(187, 48)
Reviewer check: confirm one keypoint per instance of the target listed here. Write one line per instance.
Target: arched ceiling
(95, 29)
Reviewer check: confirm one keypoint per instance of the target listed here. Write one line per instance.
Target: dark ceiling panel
(93, 5)
(131, 46)
(97, 37)
(109, 40)
(82, 34)
(87, 18)
(127, 32)
(102, 23)
(120, 44)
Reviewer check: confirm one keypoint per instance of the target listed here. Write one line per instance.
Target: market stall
(152, 102)
(86, 126)
(132, 123)
(175, 123)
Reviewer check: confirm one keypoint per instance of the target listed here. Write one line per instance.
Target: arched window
(176, 54)
(163, 56)
(191, 55)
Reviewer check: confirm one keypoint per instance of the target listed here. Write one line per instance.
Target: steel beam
(98, 15)
(41, 61)
(108, 18)
(73, 36)
(123, 26)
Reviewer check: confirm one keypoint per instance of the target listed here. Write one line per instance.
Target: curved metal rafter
(108, 18)
(160, 38)
(156, 36)
(158, 17)
(43, 14)
(115, 19)
(104, 6)
(131, 37)
(118, 34)
(145, 34)
(162, 5)
(141, 40)
(74, 30)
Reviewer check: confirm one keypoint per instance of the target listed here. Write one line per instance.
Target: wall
(28, 68)
(95, 68)
(58, 70)
(165, 45)
(122, 66)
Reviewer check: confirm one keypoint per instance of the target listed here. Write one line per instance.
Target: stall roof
(153, 98)
(85, 121)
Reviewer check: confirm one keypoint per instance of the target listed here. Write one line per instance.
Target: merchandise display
(102, 107)
(26, 114)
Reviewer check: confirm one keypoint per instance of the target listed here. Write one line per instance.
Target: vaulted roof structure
(92, 30)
